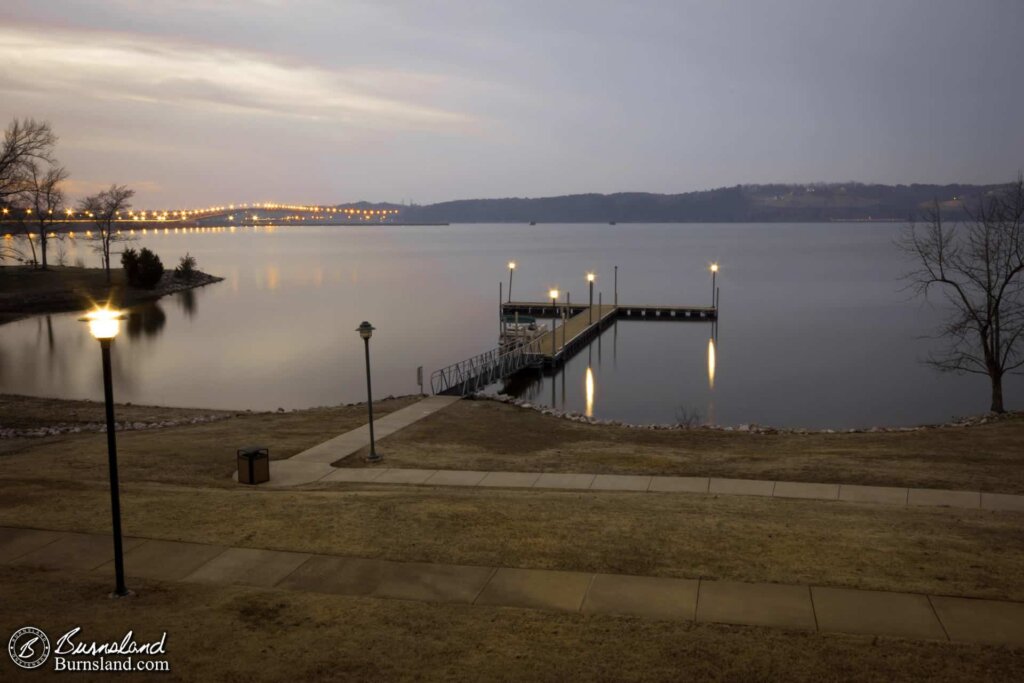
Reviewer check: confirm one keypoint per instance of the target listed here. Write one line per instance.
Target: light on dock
(511, 269)
(590, 310)
(711, 363)
(714, 273)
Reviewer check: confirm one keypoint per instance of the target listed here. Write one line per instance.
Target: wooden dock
(582, 326)
(542, 310)
(576, 325)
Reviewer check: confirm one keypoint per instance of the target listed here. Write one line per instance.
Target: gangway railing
(473, 374)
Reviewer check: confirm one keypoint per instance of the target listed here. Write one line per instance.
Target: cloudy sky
(194, 102)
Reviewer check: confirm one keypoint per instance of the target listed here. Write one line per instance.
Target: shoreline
(80, 287)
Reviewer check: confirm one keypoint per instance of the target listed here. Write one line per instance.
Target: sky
(201, 102)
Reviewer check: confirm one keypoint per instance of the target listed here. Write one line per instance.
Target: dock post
(616, 286)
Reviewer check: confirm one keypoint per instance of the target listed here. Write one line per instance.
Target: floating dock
(575, 325)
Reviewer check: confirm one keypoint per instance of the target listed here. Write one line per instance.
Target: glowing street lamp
(554, 319)
(365, 331)
(511, 269)
(104, 324)
(590, 281)
(714, 273)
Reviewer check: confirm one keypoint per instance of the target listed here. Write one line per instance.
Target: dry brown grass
(931, 550)
(200, 454)
(218, 633)
(485, 435)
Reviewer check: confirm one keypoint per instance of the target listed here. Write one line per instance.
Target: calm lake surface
(814, 330)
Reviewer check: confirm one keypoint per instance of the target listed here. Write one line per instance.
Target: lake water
(814, 330)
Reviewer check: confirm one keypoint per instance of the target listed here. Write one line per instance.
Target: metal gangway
(473, 374)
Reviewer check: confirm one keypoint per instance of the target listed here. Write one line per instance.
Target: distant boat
(611, 222)
(533, 222)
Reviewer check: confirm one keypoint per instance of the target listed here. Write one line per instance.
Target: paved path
(699, 485)
(315, 463)
(792, 607)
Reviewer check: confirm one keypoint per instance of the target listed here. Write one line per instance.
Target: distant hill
(742, 203)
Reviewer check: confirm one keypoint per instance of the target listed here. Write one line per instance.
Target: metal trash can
(253, 465)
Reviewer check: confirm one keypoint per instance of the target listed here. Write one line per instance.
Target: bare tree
(104, 209)
(44, 195)
(24, 140)
(977, 266)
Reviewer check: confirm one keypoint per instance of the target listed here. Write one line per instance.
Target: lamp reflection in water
(590, 392)
(711, 363)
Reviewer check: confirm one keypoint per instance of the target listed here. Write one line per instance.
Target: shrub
(186, 267)
(142, 269)
(150, 269)
(130, 263)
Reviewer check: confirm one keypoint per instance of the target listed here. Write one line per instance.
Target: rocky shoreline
(90, 427)
(750, 428)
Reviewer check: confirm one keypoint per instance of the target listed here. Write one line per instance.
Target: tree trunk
(997, 393)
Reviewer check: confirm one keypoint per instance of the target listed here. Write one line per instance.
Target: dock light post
(104, 324)
(590, 279)
(365, 331)
(714, 274)
(554, 319)
(511, 270)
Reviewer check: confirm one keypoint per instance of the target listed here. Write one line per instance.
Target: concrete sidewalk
(700, 485)
(348, 443)
(792, 607)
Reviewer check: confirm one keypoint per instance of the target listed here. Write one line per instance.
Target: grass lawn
(25, 290)
(486, 435)
(241, 634)
(176, 486)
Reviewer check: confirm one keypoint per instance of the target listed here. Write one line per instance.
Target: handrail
(473, 374)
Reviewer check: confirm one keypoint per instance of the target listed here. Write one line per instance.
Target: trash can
(253, 465)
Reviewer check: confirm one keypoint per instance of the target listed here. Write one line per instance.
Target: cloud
(125, 67)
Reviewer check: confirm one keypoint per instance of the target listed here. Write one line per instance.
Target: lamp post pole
(590, 279)
(104, 324)
(714, 275)
(365, 331)
(115, 486)
(511, 270)
(554, 322)
(616, 286)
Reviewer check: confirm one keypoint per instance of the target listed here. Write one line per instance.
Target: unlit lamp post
(590, 280)
(365, 331)
(511, 269)
(714, 273)
(104, 324)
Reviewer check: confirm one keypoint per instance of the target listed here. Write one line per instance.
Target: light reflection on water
(818, 333)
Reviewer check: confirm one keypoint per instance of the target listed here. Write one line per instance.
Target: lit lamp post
(590, 280)
(104, 324)
(714, 273)
(365, 331)
(511, 269)
(554, 320)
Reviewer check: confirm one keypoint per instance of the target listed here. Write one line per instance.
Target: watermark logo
(29, 647)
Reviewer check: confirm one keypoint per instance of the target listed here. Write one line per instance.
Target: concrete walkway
(700, 485)
(791, 607)
(350, 442)
(314, 463)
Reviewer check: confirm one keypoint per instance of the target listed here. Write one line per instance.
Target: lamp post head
(590, 277)
(365, 330)
(104, 323)
(714, 267)
(511, 265)
(553, 293)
